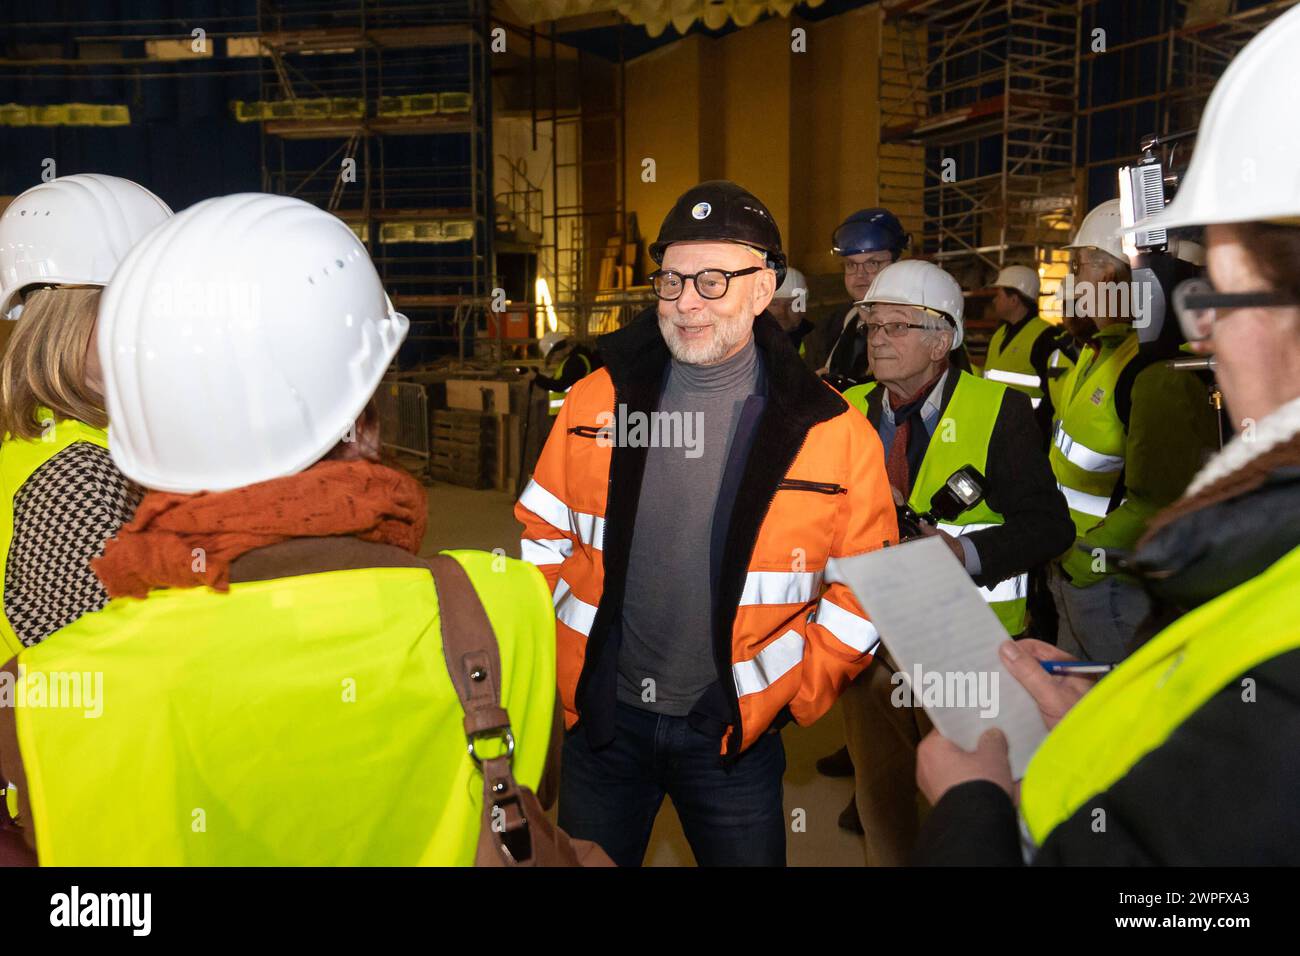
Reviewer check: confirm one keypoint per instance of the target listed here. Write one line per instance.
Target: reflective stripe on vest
(1098, 506)
(1089, 440)
(308, 720)
(19, 460)
(1135, 708)
(1083, 456)
(1010, 363)
(1012, 378)
(971, 413)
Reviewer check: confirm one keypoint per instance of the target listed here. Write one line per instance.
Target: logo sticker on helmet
(701, 210)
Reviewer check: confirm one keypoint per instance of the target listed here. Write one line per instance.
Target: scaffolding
(987, 89)
(576, 232)
(1154, 74)
(402, 92)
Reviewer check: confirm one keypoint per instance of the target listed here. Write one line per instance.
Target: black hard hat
(721, 211)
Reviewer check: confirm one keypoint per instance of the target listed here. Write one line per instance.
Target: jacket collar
(637, 355)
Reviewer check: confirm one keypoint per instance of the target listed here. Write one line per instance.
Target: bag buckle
(502, 734)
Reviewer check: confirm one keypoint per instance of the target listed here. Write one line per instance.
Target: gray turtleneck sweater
(667, 610)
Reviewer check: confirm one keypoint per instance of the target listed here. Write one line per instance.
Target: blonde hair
(45, 363)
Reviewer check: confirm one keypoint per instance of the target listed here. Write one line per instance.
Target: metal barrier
(404, 419)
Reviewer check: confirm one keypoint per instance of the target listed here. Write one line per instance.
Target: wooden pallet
(464, 448)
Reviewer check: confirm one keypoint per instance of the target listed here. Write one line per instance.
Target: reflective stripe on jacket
(814, 488)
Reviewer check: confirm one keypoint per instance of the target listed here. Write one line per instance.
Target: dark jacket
(572, 368)
(1224, 787)
(1036, 522)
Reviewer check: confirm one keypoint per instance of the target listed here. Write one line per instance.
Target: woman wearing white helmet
(1185, 753)
(60, 495)
(276, 651)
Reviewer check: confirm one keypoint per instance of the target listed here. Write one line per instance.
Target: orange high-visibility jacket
(786, 631)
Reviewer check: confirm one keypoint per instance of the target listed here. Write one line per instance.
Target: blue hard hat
(870, 230)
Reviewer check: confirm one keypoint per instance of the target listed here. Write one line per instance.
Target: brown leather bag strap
(470, 647)
(474, 662)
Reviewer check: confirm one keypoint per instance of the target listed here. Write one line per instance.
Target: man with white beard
(695, 612)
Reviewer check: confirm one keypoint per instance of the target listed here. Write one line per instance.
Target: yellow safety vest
(306, 720)
(556, 399)
(1009, 363)
(971, 413)
(1089, 440)
(19, 459)
(1136, 707)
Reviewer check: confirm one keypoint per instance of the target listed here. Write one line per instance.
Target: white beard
(724, 336)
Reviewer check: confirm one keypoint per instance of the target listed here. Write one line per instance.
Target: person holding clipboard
(1184, 753)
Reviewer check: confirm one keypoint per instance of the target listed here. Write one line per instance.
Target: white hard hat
(1244, 165)
(549, 341)
(1100, 229)
(239, 341)
(1021, 278)
(73, 230)
(793, 282)
(919, 283)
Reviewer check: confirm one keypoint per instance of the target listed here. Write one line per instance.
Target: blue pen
(1077, 667)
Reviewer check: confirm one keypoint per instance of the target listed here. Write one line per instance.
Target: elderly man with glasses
(934, 419)
(684, 511)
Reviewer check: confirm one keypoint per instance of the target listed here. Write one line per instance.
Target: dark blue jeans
(732, 816)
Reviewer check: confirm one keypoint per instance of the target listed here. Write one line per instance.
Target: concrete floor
(460, 517)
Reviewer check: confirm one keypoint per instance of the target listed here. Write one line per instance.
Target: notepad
(944, 639)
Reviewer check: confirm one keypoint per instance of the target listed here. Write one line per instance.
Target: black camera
(964, 489)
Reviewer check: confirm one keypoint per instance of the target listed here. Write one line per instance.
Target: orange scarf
(186, 541)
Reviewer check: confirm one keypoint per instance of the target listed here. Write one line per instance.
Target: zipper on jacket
(820, 487)
(588, 431)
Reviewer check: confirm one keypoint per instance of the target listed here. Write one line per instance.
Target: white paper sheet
(944, 638)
